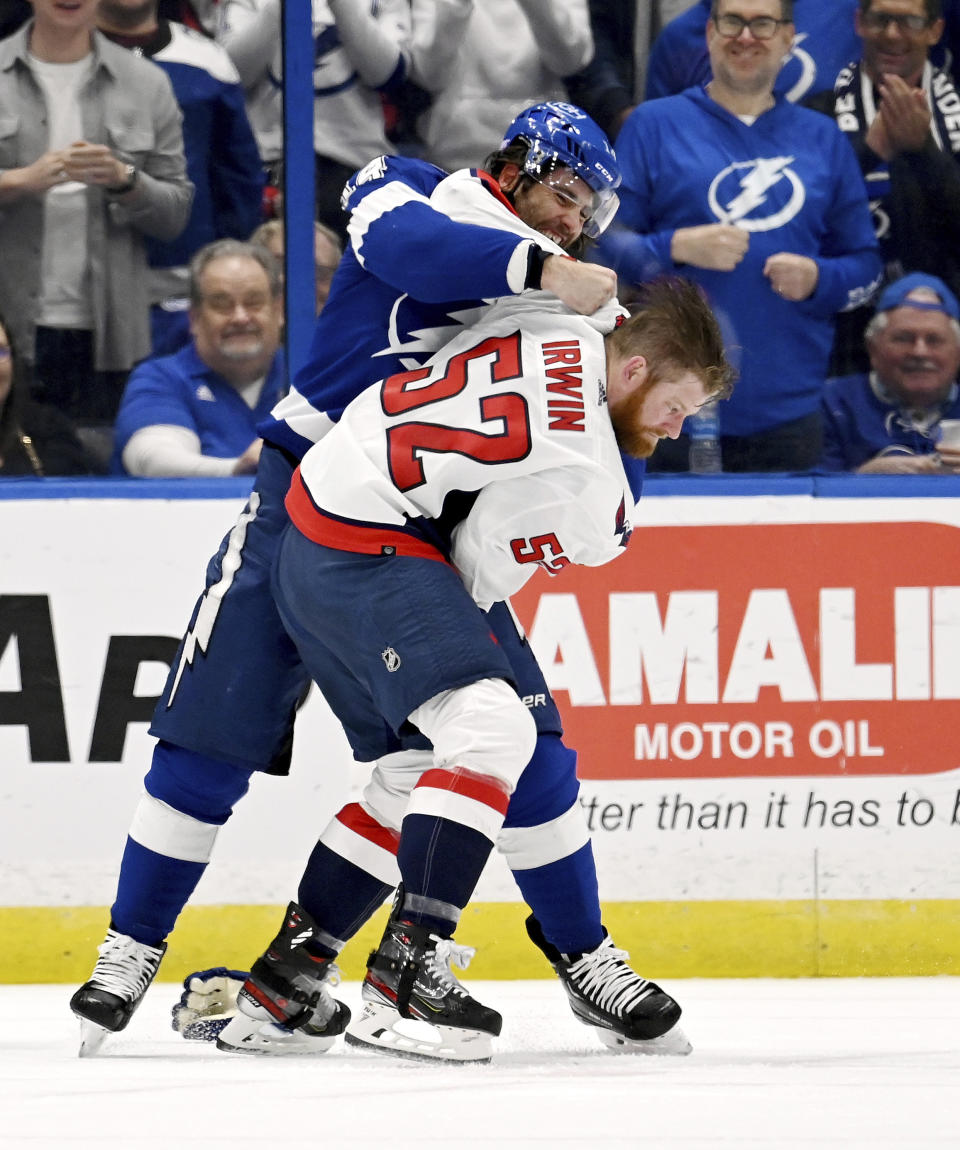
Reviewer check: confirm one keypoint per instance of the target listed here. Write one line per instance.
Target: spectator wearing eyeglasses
(195, 413)
(900, 114)
(761, 203)
(824, 41)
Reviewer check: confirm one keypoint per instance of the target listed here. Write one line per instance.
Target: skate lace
(125, 967)
(603, 976)
(439, 961)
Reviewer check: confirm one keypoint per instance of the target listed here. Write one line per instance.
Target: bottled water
(703, 428)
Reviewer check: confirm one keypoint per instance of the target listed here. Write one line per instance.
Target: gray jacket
(129, 105)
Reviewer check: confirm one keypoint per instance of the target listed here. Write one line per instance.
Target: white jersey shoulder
(467, 196)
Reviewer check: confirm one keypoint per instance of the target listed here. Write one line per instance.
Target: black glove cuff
(536, 258)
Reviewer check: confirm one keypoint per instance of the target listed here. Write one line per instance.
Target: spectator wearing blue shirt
(824, 41)
(223, 160)
(195, 413)
(761, 203)
(888, 421)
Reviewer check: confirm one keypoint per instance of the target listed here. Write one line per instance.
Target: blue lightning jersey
(861, 422)
(825, 42)
(790, 180)
(386, 313)
(409, 281)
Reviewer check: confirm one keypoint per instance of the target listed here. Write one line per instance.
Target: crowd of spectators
(142, 168)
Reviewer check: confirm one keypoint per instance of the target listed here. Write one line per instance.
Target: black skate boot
(285, 1005)
(628, 1012)
(105, 1003)
(413, 1005)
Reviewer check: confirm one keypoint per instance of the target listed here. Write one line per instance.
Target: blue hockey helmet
(563, 134)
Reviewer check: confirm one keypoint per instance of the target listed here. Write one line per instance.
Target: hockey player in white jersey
(412, 277)
(439, 492)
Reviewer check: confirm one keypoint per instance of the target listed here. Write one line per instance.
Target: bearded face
(654, 409)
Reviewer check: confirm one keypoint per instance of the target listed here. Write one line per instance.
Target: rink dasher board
(719, 854)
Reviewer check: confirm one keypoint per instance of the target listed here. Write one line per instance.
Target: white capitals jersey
(515, 410)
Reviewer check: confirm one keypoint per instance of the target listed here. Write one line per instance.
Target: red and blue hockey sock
(350, 873)
(446, 838)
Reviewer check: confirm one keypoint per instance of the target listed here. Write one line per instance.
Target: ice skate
(629, 1013)
(413, 1005)
(285, 1005)
(120, 979)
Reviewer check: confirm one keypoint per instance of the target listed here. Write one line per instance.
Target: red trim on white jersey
(492, 184)
(341, 535)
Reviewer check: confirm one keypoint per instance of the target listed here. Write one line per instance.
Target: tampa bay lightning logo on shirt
(800, 68)
(758, 195)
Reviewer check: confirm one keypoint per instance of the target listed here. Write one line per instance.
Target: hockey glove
(208, 1002)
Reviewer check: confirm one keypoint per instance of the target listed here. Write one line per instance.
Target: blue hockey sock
(162, 865)
(152, 891)
(563, 897)
(562, 894)
(339, 896)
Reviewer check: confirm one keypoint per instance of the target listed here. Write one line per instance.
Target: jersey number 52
(406, 442)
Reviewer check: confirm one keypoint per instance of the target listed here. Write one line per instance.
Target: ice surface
(865, 1064)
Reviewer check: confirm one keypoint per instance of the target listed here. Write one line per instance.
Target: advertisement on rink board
(791, 684)
(763, 693)
(760, 650)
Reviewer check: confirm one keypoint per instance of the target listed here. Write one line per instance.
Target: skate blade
(244, 1035)
(382, 1029)
(673, 1044)
(92, 1037)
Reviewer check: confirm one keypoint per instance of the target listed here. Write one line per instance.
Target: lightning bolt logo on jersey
(751, 193)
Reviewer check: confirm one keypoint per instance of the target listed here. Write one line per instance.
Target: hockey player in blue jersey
(411, 278)
(763, 205)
